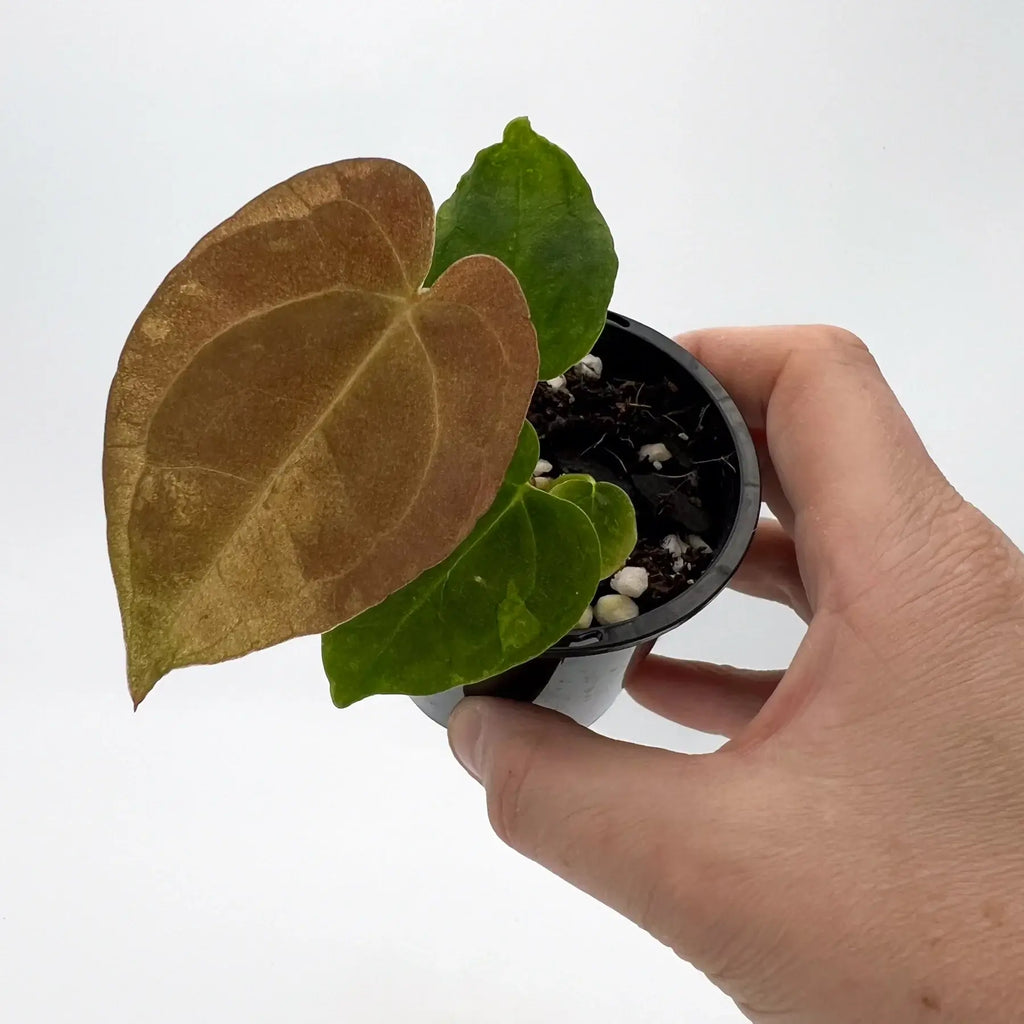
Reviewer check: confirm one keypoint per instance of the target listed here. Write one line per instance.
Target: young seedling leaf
(610, 511)
(516, 585)
(296, 429)
(525, 202)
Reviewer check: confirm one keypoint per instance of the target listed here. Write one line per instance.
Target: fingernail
(464, 728)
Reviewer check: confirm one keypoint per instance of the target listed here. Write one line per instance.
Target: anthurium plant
(318, 424)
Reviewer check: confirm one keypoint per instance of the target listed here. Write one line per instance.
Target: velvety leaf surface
(525, 202)
(609, 510)
(515, 586)
(296, 429)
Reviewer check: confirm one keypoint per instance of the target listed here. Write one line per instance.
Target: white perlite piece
(590, 366)
(674, 545)
(630, 581)
(543, 483)
(586, 618)
(542, 468)
(612, 609)
(655, 454)
(699, 544)
(556, 383)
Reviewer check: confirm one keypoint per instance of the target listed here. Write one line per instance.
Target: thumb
(643, 830)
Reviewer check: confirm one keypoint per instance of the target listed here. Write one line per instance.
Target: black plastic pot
(583, 673)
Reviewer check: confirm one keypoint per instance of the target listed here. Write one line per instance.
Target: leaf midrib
(262, 311)
(275, 476)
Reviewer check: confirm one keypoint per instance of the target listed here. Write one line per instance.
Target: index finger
(847, 456)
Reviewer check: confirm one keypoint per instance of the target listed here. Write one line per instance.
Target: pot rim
(657, 621)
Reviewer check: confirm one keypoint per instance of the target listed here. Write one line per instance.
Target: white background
(239, 850)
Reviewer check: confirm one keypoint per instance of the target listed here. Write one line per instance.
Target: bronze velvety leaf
(296, 429)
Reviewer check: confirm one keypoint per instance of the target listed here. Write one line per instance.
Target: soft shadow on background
(239, 850)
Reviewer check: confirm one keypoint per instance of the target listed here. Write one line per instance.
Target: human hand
(855, 852)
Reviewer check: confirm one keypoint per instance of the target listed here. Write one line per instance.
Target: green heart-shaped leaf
(517, 584)
(609, 510)
(525, 202)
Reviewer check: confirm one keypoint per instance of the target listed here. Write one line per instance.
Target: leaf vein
(273, 477)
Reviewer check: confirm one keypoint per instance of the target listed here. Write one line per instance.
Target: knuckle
(985, 559)
(945, 569)
(926, 524)
(512, 780)
(812, 349)
(810, 353)
(843, 349)
(837, 340)
(964, 544)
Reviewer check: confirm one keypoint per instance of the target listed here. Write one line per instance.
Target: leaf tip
(518, 128)
(339, 698)
(138, 695)
(143, 675)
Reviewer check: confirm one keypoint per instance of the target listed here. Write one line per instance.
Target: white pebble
(543, 482)
(656, 454)
(586, 618)
(542, 468)
(590, 366)
(699, 544)
(631, 581)
(612, 609)
(556, 383)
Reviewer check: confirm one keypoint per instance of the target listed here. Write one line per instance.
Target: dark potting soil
(598, 427)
